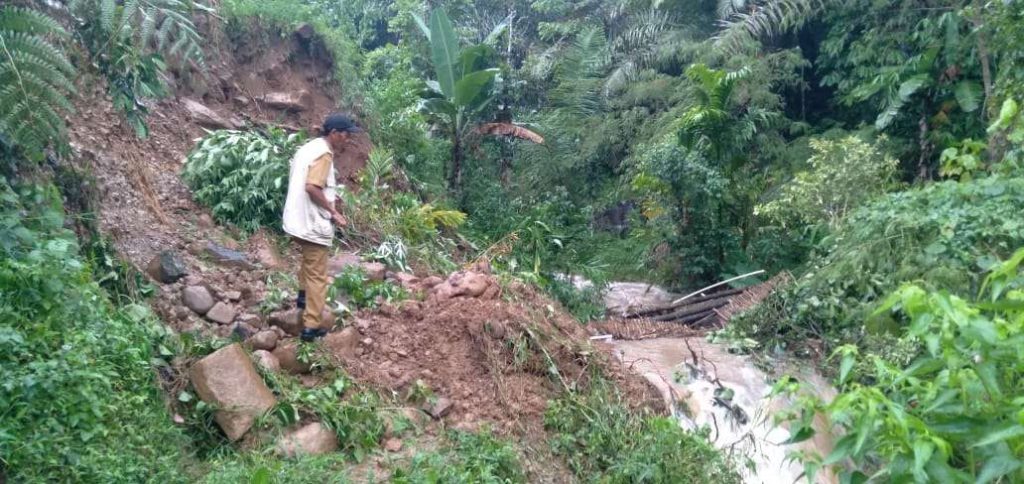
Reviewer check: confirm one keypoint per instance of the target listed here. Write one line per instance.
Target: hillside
(601, 241)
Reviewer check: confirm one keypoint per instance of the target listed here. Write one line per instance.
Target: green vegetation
(874, 149)
(944, 235)
(353, 285)
(598, 436)
(953, 413)
(242, 176)
(468, 457)
(79, 395)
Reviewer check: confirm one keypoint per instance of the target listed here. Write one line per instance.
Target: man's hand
(339, 220)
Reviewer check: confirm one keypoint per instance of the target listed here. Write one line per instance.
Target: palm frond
(765, 19)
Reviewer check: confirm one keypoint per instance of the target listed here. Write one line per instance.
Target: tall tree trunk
(455, 172)
(923, 171)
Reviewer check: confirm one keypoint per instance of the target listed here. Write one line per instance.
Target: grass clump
(469, 457)
(79, 398)
(602, 440)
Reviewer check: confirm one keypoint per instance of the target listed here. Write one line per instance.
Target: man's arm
(316, 194)
(315, 181)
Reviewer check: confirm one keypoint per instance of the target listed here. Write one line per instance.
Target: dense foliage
(953, 413)
(79, 396)
(944, 235)
(242, 176)
(469, 457)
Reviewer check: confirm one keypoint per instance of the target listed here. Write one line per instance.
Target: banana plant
(458, 99)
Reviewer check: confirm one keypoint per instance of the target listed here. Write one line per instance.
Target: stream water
(743, 424)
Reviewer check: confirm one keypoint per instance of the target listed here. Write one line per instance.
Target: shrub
(954, 414)
(78, 392)
(470, 457)
(603, 440)
(242, 176)
(361, 292)
(944, 233)
(841, 176)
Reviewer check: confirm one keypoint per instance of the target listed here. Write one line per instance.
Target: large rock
(312, 439)
(228, 257)
(337, 264)
(206, 117)
(227, 380)
(375, 271)
(264, 340)
(288, 355)
(166, 267)
(343, 344)
(221, 313)
(197, 298)
(290, 321)
(466, 284)
(288, 101)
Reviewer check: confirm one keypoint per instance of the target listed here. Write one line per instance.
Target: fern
(162, 26)
(35, 77)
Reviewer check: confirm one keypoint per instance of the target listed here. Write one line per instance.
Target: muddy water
(746, 429)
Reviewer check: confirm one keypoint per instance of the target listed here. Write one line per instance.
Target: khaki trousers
(313, 280)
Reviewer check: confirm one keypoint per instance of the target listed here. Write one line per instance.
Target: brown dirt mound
(492, 358)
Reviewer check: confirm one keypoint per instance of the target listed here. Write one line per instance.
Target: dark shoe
(309, 335)
(300, 300)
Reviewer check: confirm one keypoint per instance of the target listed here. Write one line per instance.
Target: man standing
(310, 216)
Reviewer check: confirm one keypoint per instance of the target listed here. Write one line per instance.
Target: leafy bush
(470, 457)
(242, 176)
(79, 395)
(602, 440)
(942, 234)
(842, 175)
(954, 414)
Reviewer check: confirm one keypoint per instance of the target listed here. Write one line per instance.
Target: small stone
(227, 380)
(440, 408)
(312, 439)
(368, 341)
(166, 267)
(290, 321)
(181, 312)
(243, 331)
(266, 252)
(232, 295)
(375, 271)
(393, 445)
(430, 282)
(264, 340)
(221, 313)
(197, 298)
(267, 360)
(305, 31)
(205, 221)
(402, 353)
(251, 319)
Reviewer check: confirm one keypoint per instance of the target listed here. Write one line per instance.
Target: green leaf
(1000, 465)
(445, 51)
(422, 25)
(911, 86)
(1001, 435)
(1007, 113)
(968, 95)
(469, 87)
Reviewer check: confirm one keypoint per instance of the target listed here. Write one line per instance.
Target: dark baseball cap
(339, 122)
